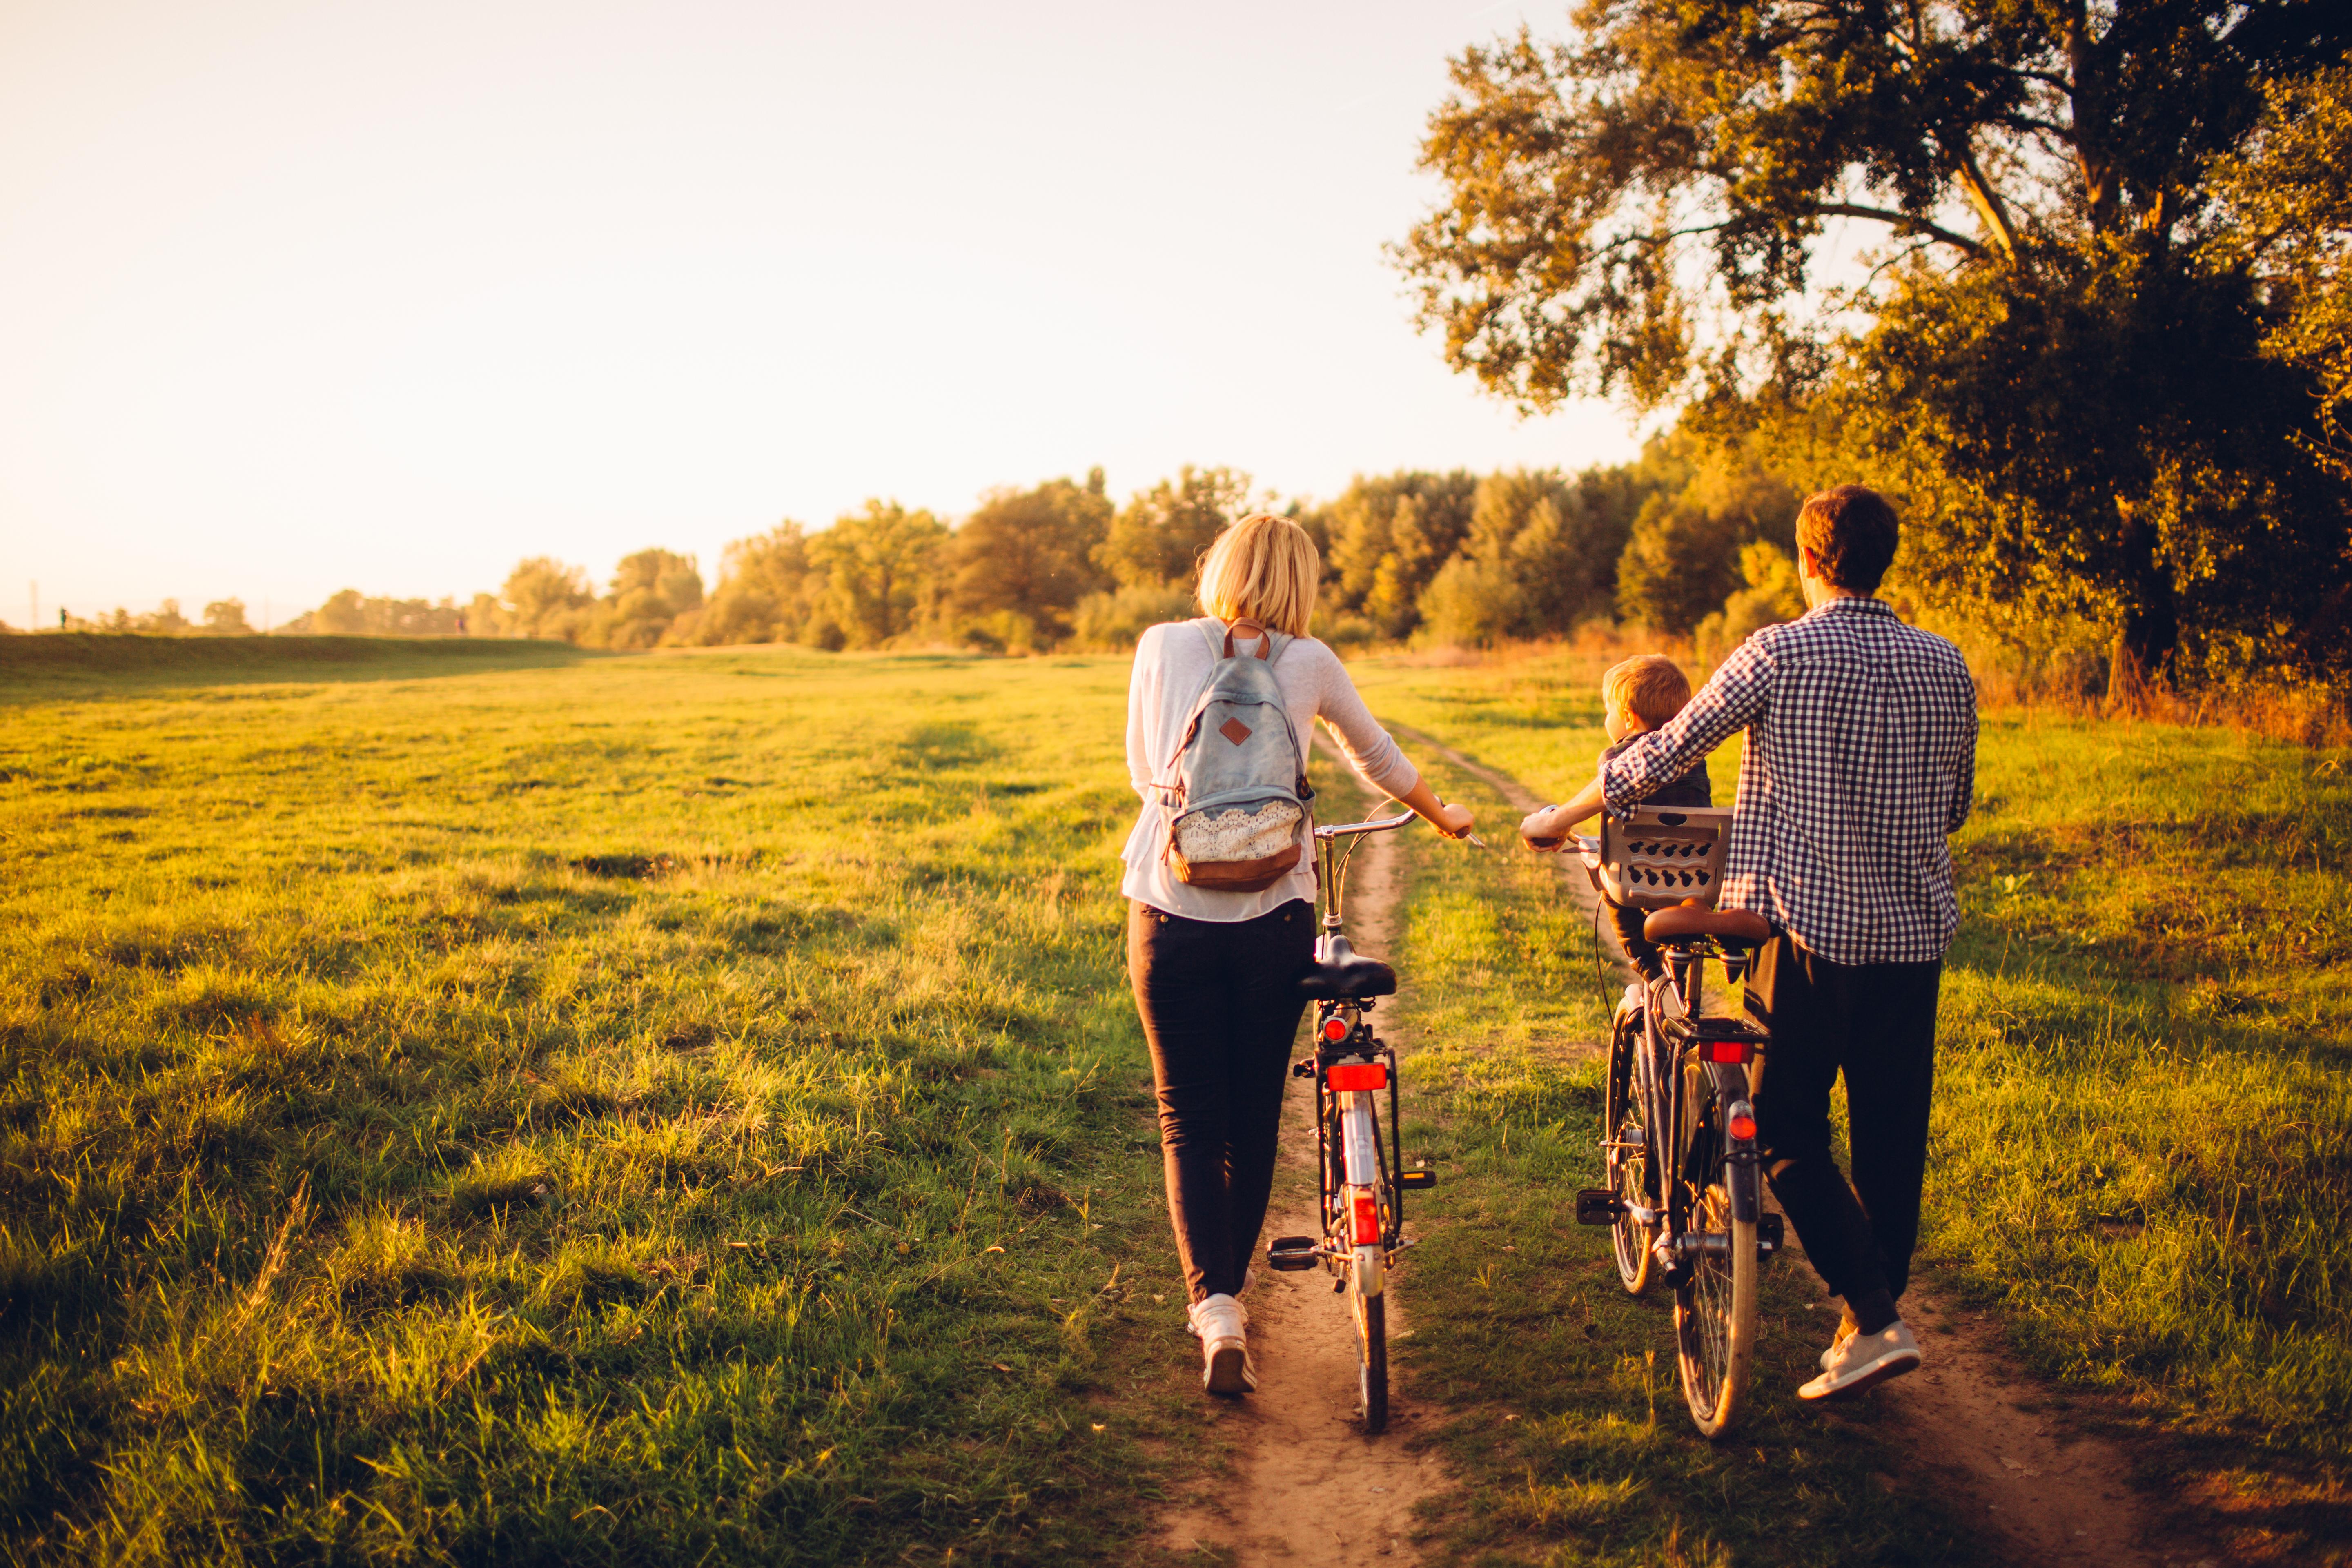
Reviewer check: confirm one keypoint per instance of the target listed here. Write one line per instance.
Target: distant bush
(1110, 623)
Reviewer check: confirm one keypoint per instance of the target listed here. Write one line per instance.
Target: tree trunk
(2151, 633)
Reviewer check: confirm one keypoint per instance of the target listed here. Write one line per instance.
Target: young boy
(1638, 695)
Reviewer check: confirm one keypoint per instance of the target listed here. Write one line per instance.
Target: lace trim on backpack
(1237, 834)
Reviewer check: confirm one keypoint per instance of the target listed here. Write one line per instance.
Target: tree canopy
(1025, 558)
(2062, 352)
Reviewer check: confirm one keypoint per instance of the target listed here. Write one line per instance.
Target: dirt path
(1299, 1445)
(2054, 1494)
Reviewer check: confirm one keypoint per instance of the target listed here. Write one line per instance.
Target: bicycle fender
(1739, 1177)
(1372, 1259)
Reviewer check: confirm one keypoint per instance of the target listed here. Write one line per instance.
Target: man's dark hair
(1852, 533)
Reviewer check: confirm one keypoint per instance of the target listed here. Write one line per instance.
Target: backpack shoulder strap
(1211, 630)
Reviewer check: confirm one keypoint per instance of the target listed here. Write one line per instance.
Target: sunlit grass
(677, 1108)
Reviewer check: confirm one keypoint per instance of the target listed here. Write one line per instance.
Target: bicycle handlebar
(1378, 824)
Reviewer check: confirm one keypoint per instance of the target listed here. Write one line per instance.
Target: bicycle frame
(1360, 1200)
(1369, 1176)
(1679, 1036)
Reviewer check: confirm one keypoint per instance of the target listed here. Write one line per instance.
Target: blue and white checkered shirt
(1860, 761)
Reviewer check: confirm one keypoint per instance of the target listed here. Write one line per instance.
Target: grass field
(523, 1109)
(477, 1103)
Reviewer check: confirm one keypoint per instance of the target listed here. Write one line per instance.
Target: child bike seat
(1337, 975)
(1681, 922)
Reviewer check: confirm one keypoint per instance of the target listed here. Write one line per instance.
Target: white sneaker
(1193, 1328)
(1227, 1368)
(1862, 1360)
(1847, 1328)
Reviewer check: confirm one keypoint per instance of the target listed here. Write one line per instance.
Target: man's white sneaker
(1862, 1360)
(1226, 1352)
(1847, 1328)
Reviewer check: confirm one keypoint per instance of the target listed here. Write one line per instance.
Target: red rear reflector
(1743, 1127)
(1334, 1028)
(1368, 1216)
(1360, 1075)
(1733, 1053)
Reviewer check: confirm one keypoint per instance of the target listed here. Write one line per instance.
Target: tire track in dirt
(1302, 1482)
(2052, 1493)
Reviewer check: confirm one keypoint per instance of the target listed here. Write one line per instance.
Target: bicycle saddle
(1681, 922)
(1338, 973)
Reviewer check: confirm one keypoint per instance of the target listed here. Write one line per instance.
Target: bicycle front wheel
(1715, 1306)
(1625, 1145)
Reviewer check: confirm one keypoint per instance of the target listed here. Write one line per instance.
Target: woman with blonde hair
(1215, 969)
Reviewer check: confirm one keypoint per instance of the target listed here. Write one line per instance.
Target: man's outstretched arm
(1732, 699)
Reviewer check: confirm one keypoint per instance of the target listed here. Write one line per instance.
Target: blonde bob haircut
(1263, 569)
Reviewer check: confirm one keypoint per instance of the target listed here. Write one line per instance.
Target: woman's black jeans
(1221, 1011)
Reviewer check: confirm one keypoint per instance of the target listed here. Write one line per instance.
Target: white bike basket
(1663, 857)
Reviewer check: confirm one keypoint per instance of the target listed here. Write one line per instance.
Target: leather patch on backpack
(1236, 731)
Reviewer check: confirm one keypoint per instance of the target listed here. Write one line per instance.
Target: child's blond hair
(1265, 569)
(1649, 686)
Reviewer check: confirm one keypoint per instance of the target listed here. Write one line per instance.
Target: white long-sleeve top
(1172, 668)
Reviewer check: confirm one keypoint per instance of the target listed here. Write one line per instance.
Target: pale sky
(301, 295)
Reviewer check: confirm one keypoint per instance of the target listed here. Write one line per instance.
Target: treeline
(1683, 541)
(221, 618)
(1693, 542)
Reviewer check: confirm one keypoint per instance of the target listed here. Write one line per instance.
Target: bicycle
(1362, 1186)
(1684, 1202)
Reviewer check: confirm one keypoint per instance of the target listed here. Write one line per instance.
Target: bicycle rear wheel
(1624, 1145)
(1715, 1305)
(1364, 1275)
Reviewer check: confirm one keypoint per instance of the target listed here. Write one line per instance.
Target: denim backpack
(1236, 794)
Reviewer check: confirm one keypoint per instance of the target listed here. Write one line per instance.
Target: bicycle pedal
(1770, 1233)
(1288, 1254)
(1411, 1181)
(1598, 1205)
(1304, 1067)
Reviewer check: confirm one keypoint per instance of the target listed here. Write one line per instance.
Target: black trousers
(1220, 1015)
(1876, 1024)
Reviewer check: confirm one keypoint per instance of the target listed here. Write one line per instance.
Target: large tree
(542, 598)
(766, 593)
(1389, 535)
(882, 572)
(1030, 554)
(2059, 351)
(1158, 537)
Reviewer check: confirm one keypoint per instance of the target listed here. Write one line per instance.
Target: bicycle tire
(1715, 1304)
(1371, 1315)
(1367, 1308)
(1628, 1173)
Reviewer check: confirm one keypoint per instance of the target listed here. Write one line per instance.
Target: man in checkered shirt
(1860, 761)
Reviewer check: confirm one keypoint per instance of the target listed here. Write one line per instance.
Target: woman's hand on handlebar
(1449, 818)
(1452, 818)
